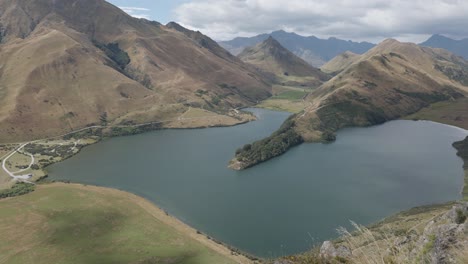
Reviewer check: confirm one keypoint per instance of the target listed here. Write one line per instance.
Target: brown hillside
(340, 62)
(64, 66)
(269, 56)
(390, 81)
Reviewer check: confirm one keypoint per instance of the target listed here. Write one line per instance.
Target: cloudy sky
(369, 20)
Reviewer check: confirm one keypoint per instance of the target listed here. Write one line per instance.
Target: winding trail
(24, 178)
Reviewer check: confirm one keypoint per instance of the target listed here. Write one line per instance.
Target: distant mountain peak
(270, 56)
(272, 42)
(313, 50)
(458, 47)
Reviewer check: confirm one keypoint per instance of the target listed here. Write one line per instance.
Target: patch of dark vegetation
(2, 32)
(17, 190)
(86, 133)
(462, 152)
(201, 92)
(393, 54)
(458, 74)
(124, 95)
(384, 60)
(276, 144)
(348, 113)
(139, 76)
(460, 217)
(132, 130)
(370, 85)
(429, 98)
(103, 118)
(215, 100)
(113, 51)
(355, 95)
(44, 150)
(227, 86)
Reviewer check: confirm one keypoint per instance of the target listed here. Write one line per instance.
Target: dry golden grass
(55, 79)
(340, 62)
(390, 81)
(283, 105)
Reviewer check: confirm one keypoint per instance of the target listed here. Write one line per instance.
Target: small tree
(103, 118)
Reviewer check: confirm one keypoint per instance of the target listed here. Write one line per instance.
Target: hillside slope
(71, 223)
(270, 57)
(340, 62)
(72, 63)
(390, 81)
(313, 50)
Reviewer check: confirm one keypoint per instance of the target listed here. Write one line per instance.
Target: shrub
(460, 217)
(113, 51)
(17, 190)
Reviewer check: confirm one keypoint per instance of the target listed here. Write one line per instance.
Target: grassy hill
(65, 223)
(70, 64)
(293, 78)
(271, 57)
(391, 81)
(340, 62)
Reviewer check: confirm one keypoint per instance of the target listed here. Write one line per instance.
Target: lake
(290, 203)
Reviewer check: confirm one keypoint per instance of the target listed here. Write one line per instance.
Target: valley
(368, 92)
(126, 140)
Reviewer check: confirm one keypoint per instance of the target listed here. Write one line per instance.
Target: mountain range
(459, 47)
(313, 50)
(70, 64)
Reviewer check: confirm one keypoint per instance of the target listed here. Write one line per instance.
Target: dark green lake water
(290, 203)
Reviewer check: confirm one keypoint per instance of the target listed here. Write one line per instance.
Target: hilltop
(270, 57)
(340, 62)
(313, 50)
(71, 64)
(388, 82)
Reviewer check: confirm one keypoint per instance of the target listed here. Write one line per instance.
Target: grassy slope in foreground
(65, 223)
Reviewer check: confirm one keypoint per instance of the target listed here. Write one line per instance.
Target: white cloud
(349, 19)
(138, 12)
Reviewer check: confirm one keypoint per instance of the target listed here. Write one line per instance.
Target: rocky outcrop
(328, 250)
(442, 235)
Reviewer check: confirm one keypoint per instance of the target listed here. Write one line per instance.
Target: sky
(358, 20)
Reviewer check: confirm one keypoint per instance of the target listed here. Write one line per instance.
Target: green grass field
(453, 113)
(60, 223)
(291, 95)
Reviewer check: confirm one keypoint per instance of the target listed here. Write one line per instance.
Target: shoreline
(159, 214)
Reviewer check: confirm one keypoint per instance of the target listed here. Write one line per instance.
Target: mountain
(340, 62)
(459, 47)
(70, 64)
(269, 56)
(313, 50)
(390, 81)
